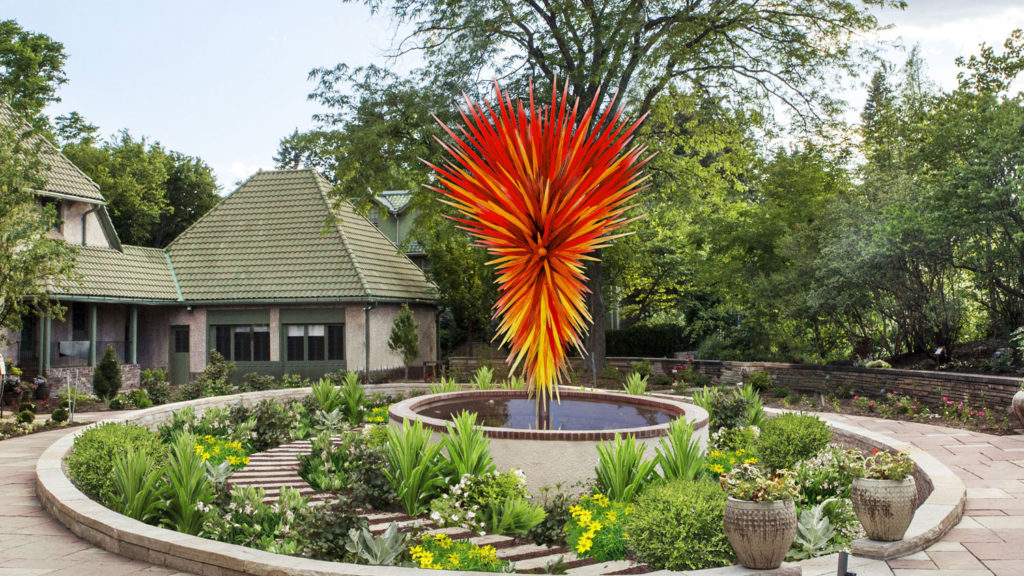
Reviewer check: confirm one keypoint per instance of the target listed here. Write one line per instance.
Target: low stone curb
(122, 535)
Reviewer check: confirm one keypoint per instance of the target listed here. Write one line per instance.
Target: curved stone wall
(940, 510)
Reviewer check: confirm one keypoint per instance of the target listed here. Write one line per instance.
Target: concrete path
(32, 543)
(988, 542)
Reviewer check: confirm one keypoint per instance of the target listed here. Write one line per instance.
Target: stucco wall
(72, 215)
(9, 345)
(382, 319)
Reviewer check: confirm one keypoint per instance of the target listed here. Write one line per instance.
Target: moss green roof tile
(271, 240)
(135, 274)
(395, 200)
(64, 179)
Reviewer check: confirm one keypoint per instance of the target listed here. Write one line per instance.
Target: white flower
(455, 517)
(436, 516)
(470, 514)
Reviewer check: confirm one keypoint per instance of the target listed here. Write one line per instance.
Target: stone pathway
(990, 538)
(32, 543)
(989, 541)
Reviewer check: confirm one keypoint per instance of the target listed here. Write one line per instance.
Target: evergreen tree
(106, 381)
(404, 337)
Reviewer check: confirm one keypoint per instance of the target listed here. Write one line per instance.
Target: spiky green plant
(187, 494)
(327, 395)
(444, 386)
(514, 382)
(413, 467)
(622, 471)
(755, 406)
(466, 449)
(514, 516)
(636, 385)
(483, 379)
(679, 454)
(137, 485)
(353, 399)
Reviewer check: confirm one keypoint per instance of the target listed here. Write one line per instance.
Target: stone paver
(989, 540)
(35, 544)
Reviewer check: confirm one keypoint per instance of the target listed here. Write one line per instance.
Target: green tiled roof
(135, 274)
(64, 179)
(270, 240)
(395, 200)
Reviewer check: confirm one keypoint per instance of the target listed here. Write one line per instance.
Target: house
(393, 214)
(276, 278)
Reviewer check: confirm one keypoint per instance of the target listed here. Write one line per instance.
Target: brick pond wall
(925, 386)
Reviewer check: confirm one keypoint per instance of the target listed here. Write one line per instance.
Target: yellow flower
(716, 468)
(750, 461)
(584, 544)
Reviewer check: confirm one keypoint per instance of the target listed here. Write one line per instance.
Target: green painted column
(45, 360)
(133, 333)
(41, 337)
(92, 335)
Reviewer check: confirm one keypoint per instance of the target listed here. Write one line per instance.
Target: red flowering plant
(541, 189)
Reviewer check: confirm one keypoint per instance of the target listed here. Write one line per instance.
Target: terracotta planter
(1018, 406)
(760, 532)
(884, 507)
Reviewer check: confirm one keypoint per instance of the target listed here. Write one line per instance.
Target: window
(78, 312)
(375, 216)
(243, 343)
(314, 342)
(180, 339)
(58, 223)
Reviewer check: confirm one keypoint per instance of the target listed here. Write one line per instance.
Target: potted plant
(884, 495)
(760, 516)
(42, 389)
(1018, 404)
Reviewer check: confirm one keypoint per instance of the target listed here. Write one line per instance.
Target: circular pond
(563, 448)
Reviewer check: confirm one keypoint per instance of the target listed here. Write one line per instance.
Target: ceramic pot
(760, 532)
(1018, 406)
(884, 507)
(43, 392)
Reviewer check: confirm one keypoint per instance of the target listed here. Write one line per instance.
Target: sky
(226, 80)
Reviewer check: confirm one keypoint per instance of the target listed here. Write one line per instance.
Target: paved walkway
(988, 542)
(990, 538)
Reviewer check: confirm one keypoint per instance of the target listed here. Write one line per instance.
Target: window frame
(327, 347)
(232, 329)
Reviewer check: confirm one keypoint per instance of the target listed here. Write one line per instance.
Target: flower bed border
(119, 534)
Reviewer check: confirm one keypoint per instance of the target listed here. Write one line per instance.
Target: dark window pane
(336, 342)
(180, 339)
(78, 311)
(243, 344)
(296, 336)
(222, 340)
(316, 342)
(261, 343)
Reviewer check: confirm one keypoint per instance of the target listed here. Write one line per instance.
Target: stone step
(523, 551)
(604, 567)
(496, 540)
(542, 561)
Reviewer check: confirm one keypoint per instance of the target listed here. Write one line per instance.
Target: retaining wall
(926, 386)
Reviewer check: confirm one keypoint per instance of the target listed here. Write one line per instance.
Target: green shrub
(214, 381)
(139, 399)
(26, 417)
(27, 406)
(154, 382)
(648, 341)
(790, 438)
(476, 501)
(643, 368)
(678, 526)
(760, 380)
(91, 460)
(693, 378)
(255, 382)
(551, 531)
(323, 530)
(106, 380)
(116, 403)
(726, 410)
(59, 416)
(661, 380)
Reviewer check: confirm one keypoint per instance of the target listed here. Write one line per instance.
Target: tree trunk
(595, 341)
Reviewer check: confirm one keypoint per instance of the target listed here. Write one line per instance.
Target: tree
(635, 50)
(31, 70)
(30, 261)
(152, 194)
(405, 338)
(106, 380)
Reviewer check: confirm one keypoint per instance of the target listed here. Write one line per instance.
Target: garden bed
(138, 540)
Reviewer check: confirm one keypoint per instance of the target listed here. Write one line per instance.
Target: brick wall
(925, 386)
(82, 378)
